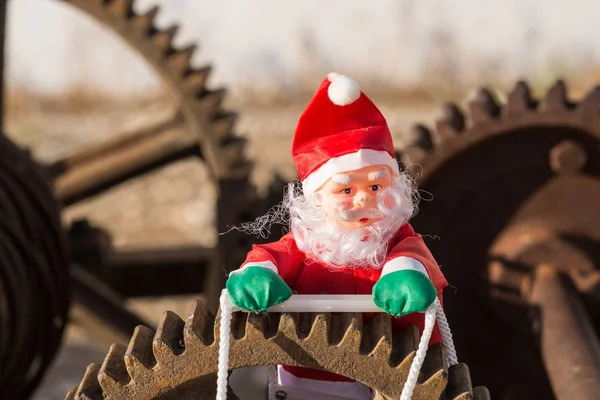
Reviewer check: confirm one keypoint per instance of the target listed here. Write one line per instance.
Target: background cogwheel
(514, 186)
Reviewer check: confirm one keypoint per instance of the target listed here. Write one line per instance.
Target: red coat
(308, 275)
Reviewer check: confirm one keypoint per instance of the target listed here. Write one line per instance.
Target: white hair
(319, 237)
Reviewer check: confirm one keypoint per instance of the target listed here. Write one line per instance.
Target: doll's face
(350, 198)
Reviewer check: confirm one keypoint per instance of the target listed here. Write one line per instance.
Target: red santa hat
(340, 130)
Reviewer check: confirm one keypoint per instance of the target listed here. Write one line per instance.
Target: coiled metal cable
(34, 276)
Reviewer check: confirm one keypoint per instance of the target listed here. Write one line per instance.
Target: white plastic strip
(322, 303)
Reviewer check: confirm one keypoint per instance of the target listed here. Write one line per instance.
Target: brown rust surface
(182, 356)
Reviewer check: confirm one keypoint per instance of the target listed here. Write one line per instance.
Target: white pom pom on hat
(342, 90)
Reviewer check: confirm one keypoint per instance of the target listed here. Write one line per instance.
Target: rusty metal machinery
(179, 361)
(200, 128)
(516, 188)
(101, 276)
(513, 222)
(34, 279)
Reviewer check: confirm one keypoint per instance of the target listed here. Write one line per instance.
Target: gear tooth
(121, 8)
(556, 97)
(519, 100)
(240, 168)
(435, 366)
(89, 388)
(443, 131)
(483, 108)
(454, 117)
(113, 373)
(210, 102)
(163, 39)
(481, 393)
(233, 149)
(195, 80)
(223, 124)
(459, 383)
(71, 394)
(588, 108)
(144, 23)
(168, 341)
(199, 325)
(288, 326)
(179, 61)
(450, 125)
(319, 331)
(422, 138)
(349, 331)
(377, 337)
(139, 357)
(420, 143)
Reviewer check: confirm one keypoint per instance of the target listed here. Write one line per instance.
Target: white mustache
(357, 213)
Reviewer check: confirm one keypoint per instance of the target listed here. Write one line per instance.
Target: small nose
(361, 199)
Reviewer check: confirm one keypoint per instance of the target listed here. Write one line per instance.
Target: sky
(273, 43)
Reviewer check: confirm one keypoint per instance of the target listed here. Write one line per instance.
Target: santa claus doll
(349, 230)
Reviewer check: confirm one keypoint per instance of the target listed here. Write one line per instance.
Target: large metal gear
(516, 190)
(200, 127)
(200, 122)
(179, 361)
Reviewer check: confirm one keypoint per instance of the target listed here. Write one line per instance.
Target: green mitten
(404, 292)
(257, 288)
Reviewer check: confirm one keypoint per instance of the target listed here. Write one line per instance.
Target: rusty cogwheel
(179, 361)
(199, 122)
(515, 186)
(199, 128)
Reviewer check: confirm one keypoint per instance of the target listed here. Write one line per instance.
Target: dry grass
(74, 100)
(81, 99)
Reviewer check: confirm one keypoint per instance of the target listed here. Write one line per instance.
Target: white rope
(224, 332)
(434, 310)
(446, 334)
(433, 313)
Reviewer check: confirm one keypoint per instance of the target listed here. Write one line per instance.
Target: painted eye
(375, 188)
(347, 191)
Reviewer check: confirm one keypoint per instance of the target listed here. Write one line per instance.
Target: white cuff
(402, 263)
(264, 264)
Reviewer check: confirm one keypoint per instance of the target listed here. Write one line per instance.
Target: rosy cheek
(387, 200)
(343, 204)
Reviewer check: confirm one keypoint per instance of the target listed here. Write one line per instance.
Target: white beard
(315, 234)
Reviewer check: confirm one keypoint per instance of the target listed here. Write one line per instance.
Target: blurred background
(70, 83)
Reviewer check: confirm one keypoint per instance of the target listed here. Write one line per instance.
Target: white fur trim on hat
(342, 90)
(348, 162)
